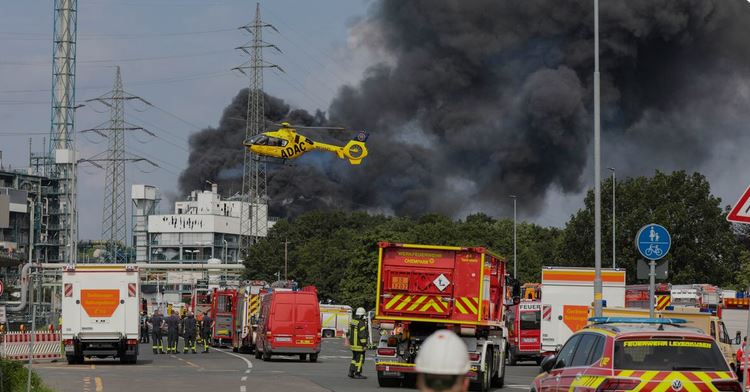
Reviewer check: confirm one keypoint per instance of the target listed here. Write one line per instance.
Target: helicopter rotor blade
(310, 127)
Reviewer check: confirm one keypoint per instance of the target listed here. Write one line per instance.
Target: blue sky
(178, 55)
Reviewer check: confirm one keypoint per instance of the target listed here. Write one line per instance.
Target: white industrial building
(201, 228)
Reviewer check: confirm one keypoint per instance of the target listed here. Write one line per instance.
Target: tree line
(336, 251)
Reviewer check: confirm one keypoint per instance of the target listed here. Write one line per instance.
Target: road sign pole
(746, 354)
(651, 287)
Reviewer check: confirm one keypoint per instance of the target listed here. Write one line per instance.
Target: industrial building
(203, 227)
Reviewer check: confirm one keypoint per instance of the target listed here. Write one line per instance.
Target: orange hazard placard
(575, 317)
(100, 303)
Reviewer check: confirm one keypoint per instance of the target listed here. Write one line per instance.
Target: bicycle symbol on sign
(653, 249)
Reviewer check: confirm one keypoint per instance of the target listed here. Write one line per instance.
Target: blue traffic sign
(653, 241)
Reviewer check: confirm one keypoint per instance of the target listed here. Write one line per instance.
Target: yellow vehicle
(285, 143)
(708, 323)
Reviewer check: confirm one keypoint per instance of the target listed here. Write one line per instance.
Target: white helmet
(360, 312)
(443, 353)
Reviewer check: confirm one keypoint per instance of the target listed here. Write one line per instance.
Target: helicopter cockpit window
(260, 140)
(276, 142)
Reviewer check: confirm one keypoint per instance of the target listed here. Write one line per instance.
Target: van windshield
(531, 320)
(668, 354)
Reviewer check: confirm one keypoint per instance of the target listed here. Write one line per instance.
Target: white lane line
(249, 367)
(518, 386)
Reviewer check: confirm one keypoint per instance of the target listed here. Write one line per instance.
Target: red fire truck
(424, 288)
(223, 306)
(524, 332)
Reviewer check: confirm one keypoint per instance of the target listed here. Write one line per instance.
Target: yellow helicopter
(286, 143)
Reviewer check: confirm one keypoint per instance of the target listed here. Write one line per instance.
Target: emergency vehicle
(700, 319)
(223, 312)
(289, 324)
(524, 332)
(424, 288)
(639, 355)
(246, 315)
(334, 320)
(100, 312)
(568, 294)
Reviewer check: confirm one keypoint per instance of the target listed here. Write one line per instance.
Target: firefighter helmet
(360, 312)
(443, 353)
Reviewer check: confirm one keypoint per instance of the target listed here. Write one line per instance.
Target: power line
(122, 60)
(29, 36)
(198, 76)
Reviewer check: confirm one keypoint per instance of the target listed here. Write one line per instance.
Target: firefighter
(442, 363)
(157, 322)
(144, 328)
(173, 332)
(207, 327)
(199, 325)
(189, 328)
(358, 343)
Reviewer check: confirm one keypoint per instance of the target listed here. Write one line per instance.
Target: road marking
(93, 366)
(192, 364)
(99, 386)
(244, 378)
(518, 386)
(247, 361)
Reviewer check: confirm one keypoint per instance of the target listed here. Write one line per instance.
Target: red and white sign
(547, 312)
(741, 211)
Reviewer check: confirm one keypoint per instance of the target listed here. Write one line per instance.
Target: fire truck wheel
(303, 357)
(498, 379)
(329, 333)
(314, 357)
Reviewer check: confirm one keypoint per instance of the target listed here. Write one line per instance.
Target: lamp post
(597, 173)
(286, 257)
(515, 256)
(614, 218)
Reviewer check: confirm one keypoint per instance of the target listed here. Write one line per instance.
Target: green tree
(704, 247)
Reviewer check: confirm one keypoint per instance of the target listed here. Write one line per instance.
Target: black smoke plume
(480, 99)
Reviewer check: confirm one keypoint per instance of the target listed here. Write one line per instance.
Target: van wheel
(511, 359)
(328, 333)
(314, 357)
(303, 357)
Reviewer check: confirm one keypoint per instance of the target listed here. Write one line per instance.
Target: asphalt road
(223, 370)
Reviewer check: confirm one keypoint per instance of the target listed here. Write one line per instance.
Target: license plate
(391, 374)
(282, 339)
(529, 340)
(304, 342)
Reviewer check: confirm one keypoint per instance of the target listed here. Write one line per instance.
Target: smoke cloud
(478, 100)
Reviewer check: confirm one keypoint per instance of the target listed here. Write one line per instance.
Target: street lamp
(515, 256)
(614, 186)
(597, 173)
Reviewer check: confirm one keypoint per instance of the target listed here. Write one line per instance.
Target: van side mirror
(547, 363)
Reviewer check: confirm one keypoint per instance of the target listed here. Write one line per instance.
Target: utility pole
(614, 217)
(254, 211)
(286, 259)
(60, 163)
(515, 255)
(114, 216)
(597, 173)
